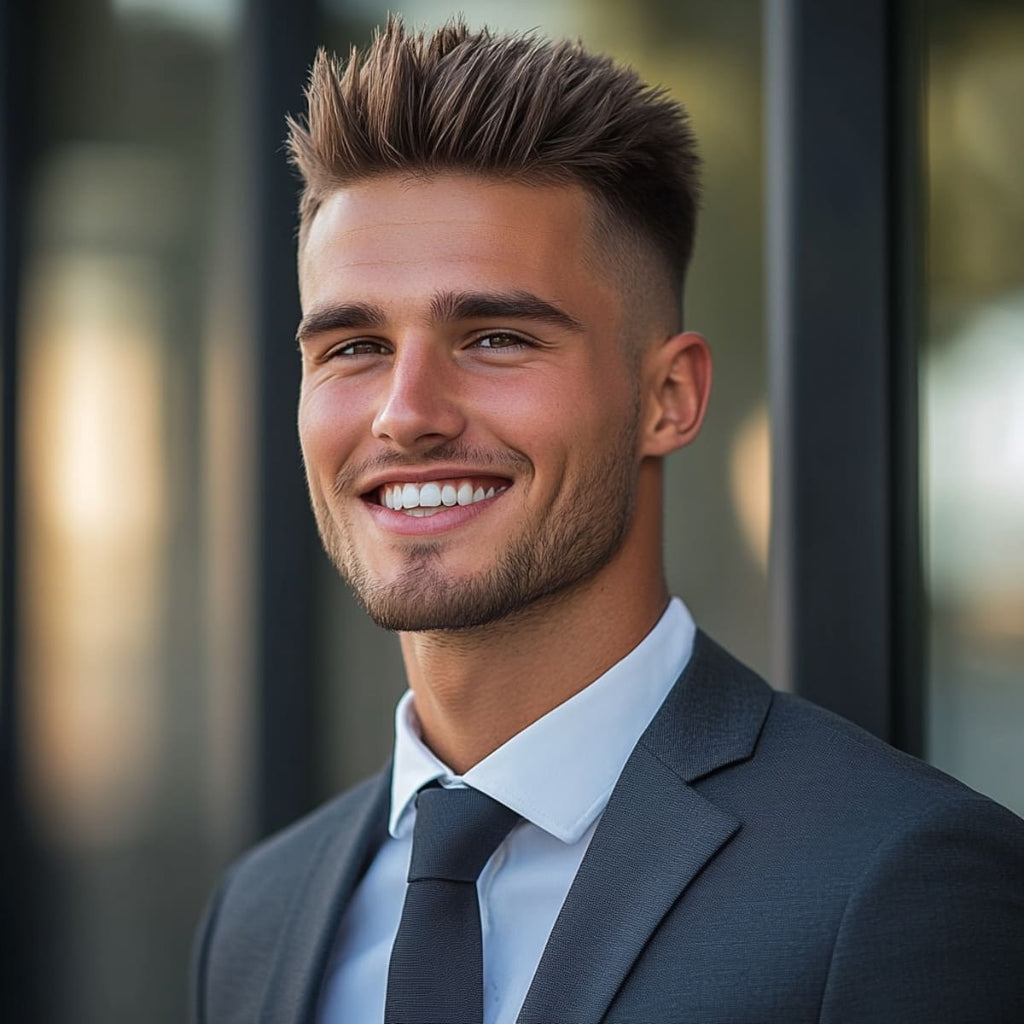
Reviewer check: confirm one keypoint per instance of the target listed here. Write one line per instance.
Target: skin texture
(507, 607)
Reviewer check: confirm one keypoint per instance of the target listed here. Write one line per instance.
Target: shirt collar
(559, 772)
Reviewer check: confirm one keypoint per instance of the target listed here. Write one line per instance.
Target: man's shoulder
(307, 865)
(902, 850)
(818, 744)
(290, 852)
(810, 762)
(262, 883)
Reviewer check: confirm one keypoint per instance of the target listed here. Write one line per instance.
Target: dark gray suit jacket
(759, 860)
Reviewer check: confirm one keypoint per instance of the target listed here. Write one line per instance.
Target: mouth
(429, 497)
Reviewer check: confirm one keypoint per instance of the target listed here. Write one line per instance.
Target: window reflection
(973, 396)
(135, 469)
(94, 535)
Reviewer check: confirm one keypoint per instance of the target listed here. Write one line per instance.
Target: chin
(421, 601)
(424, 599)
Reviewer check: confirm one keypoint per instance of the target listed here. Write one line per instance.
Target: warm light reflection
(229, 572)
(94, 530)
(750, 482)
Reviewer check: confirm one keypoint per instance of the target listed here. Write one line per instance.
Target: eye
(501, 340)
(359, 347)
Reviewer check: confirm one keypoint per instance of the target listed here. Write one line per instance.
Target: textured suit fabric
(759, 860)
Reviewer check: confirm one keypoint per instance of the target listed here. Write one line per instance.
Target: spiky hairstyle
(509, 106)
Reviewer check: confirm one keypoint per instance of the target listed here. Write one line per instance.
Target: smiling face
(469, 414)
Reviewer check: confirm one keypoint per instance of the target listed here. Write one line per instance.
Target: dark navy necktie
(436, 970)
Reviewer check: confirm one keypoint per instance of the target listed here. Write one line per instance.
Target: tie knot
(456, 832)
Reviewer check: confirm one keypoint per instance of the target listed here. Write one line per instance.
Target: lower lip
(446, 518)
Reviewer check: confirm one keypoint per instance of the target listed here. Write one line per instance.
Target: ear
(676, 378)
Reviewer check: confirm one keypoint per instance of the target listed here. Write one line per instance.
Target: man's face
(468, 417)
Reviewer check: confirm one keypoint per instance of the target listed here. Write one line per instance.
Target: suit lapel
(655, 835)
(335, 868)
(638, 863)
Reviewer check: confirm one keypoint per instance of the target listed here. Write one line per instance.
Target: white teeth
(425, 499)
(430, 495)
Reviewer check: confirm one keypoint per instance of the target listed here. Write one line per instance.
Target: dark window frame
(843, 94)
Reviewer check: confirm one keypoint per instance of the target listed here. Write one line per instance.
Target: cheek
(562, 425)
(531, 414)
(327, 428)
(597, 407)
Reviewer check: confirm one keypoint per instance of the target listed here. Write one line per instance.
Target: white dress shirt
(558, 774)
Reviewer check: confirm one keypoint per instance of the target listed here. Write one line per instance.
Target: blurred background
(182, 670)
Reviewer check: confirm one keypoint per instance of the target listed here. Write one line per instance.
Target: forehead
(408, 236)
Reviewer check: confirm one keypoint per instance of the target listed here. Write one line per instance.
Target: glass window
(135, 474)
(973, 395)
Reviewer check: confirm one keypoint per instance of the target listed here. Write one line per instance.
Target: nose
(419, 406)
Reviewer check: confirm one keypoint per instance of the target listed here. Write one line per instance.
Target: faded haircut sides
(515, 107)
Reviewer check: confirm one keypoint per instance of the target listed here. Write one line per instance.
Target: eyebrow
(449, 307)
(343, 317)
(446, 307)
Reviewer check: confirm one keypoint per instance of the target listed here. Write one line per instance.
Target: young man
(494, 233)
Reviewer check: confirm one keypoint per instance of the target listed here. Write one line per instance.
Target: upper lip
(408, 475)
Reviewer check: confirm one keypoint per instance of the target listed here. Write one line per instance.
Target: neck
(476, 688)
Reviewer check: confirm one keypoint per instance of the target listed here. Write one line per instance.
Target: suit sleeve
(934, 931)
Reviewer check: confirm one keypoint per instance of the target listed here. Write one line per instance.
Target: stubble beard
(559, 552)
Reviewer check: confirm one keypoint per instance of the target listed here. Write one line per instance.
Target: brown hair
(511, 106)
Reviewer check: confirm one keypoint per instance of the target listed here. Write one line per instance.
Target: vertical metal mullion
(839, 369)
(279, 46)
(906, 232)
(22, 967)
(779, 157)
